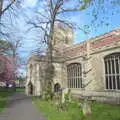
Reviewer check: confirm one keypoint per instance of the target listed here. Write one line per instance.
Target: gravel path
(20, 107)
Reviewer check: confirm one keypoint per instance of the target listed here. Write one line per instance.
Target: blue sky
(82, 18)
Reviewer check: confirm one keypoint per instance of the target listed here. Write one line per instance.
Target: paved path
(20, 107)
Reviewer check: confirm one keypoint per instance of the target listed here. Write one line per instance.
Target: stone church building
(91, 68)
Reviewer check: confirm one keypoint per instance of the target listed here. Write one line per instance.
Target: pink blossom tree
(8, 62)
(7, 69)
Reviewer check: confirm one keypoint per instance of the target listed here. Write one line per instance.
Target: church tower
(63, 36)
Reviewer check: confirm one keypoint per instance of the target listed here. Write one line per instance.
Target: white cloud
(29, 3)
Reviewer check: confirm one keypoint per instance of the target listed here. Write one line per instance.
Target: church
(90, 68)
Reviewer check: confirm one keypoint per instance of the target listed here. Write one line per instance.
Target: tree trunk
(1, 6)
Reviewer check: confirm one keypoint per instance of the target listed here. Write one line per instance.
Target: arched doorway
(57, 87)
(30, 88)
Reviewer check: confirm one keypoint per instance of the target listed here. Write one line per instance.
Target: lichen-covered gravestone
(65, 92)
(86, 108)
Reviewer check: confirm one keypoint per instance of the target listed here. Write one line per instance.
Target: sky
(29, 3)
(83, 18)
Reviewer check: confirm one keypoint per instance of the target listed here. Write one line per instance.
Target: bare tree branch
(7, 7)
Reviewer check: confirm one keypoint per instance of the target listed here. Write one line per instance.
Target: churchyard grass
(100, 111)
(2, 103)
(20, 89)
(4, 93)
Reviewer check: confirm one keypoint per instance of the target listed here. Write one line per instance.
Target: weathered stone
(64, 92)
(86, 108)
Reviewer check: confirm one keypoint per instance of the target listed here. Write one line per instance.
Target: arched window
(74, 72)
(112, 71)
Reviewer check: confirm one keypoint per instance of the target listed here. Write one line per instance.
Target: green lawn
(20, 89)
(4, 93)
(100, 111)
(3, 97)
(2, 103)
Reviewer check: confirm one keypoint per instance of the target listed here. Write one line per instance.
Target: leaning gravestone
(86, 108)
(64, 92)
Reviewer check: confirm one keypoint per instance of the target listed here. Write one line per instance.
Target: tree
(46, 22)
(5, 47)
(8, 5)
(7, 69)
(8, 14)
(2, 10)
(9, 33)
(8, 60)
